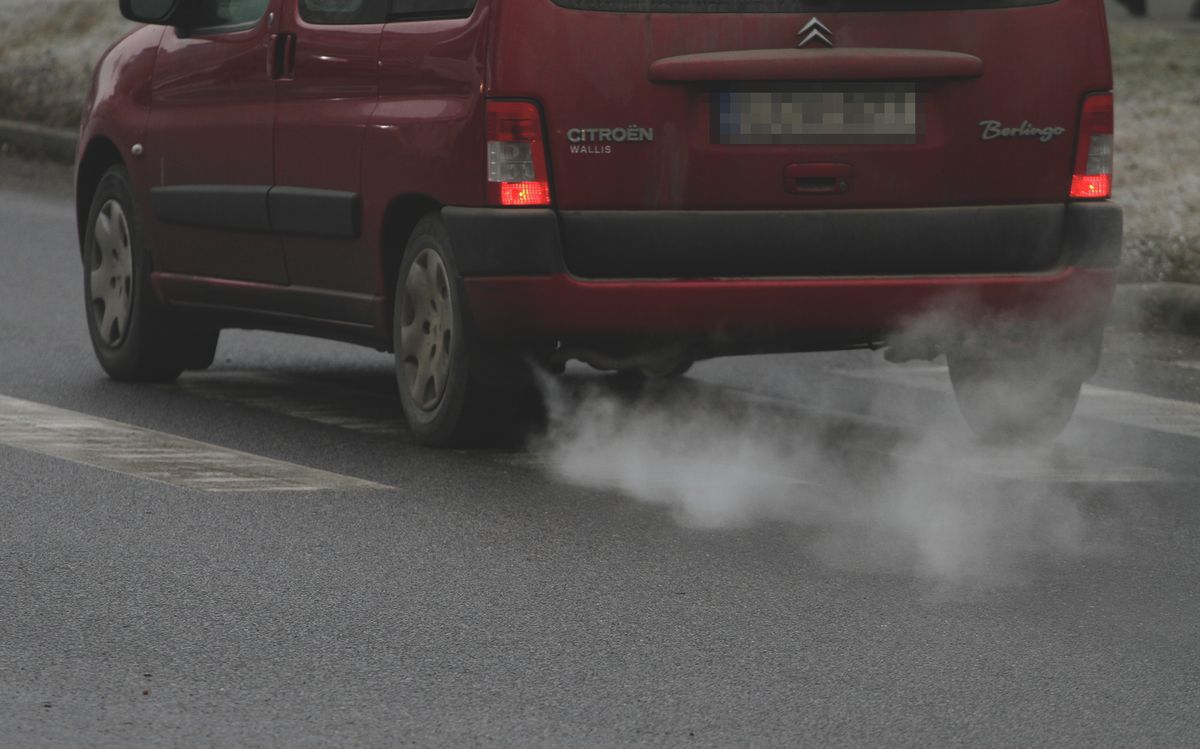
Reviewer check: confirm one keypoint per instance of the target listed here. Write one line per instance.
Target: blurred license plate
(827, 113)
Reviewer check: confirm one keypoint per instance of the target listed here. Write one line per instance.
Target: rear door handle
(817, 177)
(844, 64)
(283, 56)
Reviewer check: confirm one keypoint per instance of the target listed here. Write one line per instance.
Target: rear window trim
(389, 16)
(395, 16)
(439, 15)
(700, 7)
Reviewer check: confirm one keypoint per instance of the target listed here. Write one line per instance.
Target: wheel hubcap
(426, 330)
(110, 286)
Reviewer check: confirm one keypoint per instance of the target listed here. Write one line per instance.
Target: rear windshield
(786, 6)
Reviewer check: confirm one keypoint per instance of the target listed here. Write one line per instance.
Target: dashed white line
(375, 414)
(330, 405)
(1141, 410)
(1118, 406)
(147, 454)
(1043, 467)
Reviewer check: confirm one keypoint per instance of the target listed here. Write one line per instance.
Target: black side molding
(230, 207)
(299, 211)
(309, 212)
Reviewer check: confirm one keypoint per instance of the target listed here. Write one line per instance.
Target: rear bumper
(850, 310)
(865, 272)
(785, 244)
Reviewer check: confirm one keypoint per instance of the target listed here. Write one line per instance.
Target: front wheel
(135, 338)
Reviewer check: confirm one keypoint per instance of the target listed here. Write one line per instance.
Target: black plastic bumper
(764, 244)
(505, 242)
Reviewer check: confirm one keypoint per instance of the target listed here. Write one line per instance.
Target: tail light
(517, 174)
(1094, 151)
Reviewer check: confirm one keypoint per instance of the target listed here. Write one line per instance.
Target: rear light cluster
(1094, 152)
(517, 174)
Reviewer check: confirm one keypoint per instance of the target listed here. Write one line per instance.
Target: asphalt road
(788, 551)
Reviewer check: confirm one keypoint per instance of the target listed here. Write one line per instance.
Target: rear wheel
(1136, 7)
(134, 336)
(1020, 391)
(436, 360)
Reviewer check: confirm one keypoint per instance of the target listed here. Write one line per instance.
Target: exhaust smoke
(920, 496)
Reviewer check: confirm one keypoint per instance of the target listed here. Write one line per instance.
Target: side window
(402, 9)
(216, 13)
(344, 11)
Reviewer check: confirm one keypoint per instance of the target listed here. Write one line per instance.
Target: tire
(1136, 7)
(438, 360)
(1013, 393)
(136, 339)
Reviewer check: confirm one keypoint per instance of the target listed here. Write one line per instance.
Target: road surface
(798, 550)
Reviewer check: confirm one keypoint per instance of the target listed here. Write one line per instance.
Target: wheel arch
(100, 155)
(399, 220)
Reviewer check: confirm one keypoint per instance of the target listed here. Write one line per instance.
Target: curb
(37, 142)
(1173, 307)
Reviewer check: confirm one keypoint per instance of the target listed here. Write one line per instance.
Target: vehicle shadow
(363, 399)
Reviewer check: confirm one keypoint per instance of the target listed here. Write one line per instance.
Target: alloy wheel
(110, 285)
(427, 333)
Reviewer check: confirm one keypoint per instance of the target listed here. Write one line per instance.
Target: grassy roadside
(47, 51)
(48, 48)
(1157, 72)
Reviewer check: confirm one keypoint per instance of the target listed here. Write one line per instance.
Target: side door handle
(283, 56)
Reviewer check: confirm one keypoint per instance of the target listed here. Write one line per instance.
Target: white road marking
(145, 453)
(375, 414)
(331, 405)
(1054, 466)
(1141, 410)
(339, 406)
(545, 461)
(1118, 406)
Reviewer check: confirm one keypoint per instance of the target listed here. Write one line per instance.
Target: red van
(638, 184)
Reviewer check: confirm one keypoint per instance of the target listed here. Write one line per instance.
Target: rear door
(799, 104)
(327, 92)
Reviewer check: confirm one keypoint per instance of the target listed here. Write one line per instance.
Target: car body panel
(425, 140)
(325, 102)
(211, 126)
(1038, 63)
(280, 198)
(117, 110)
(836, 312)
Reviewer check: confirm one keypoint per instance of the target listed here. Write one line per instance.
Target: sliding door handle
(283, 56)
